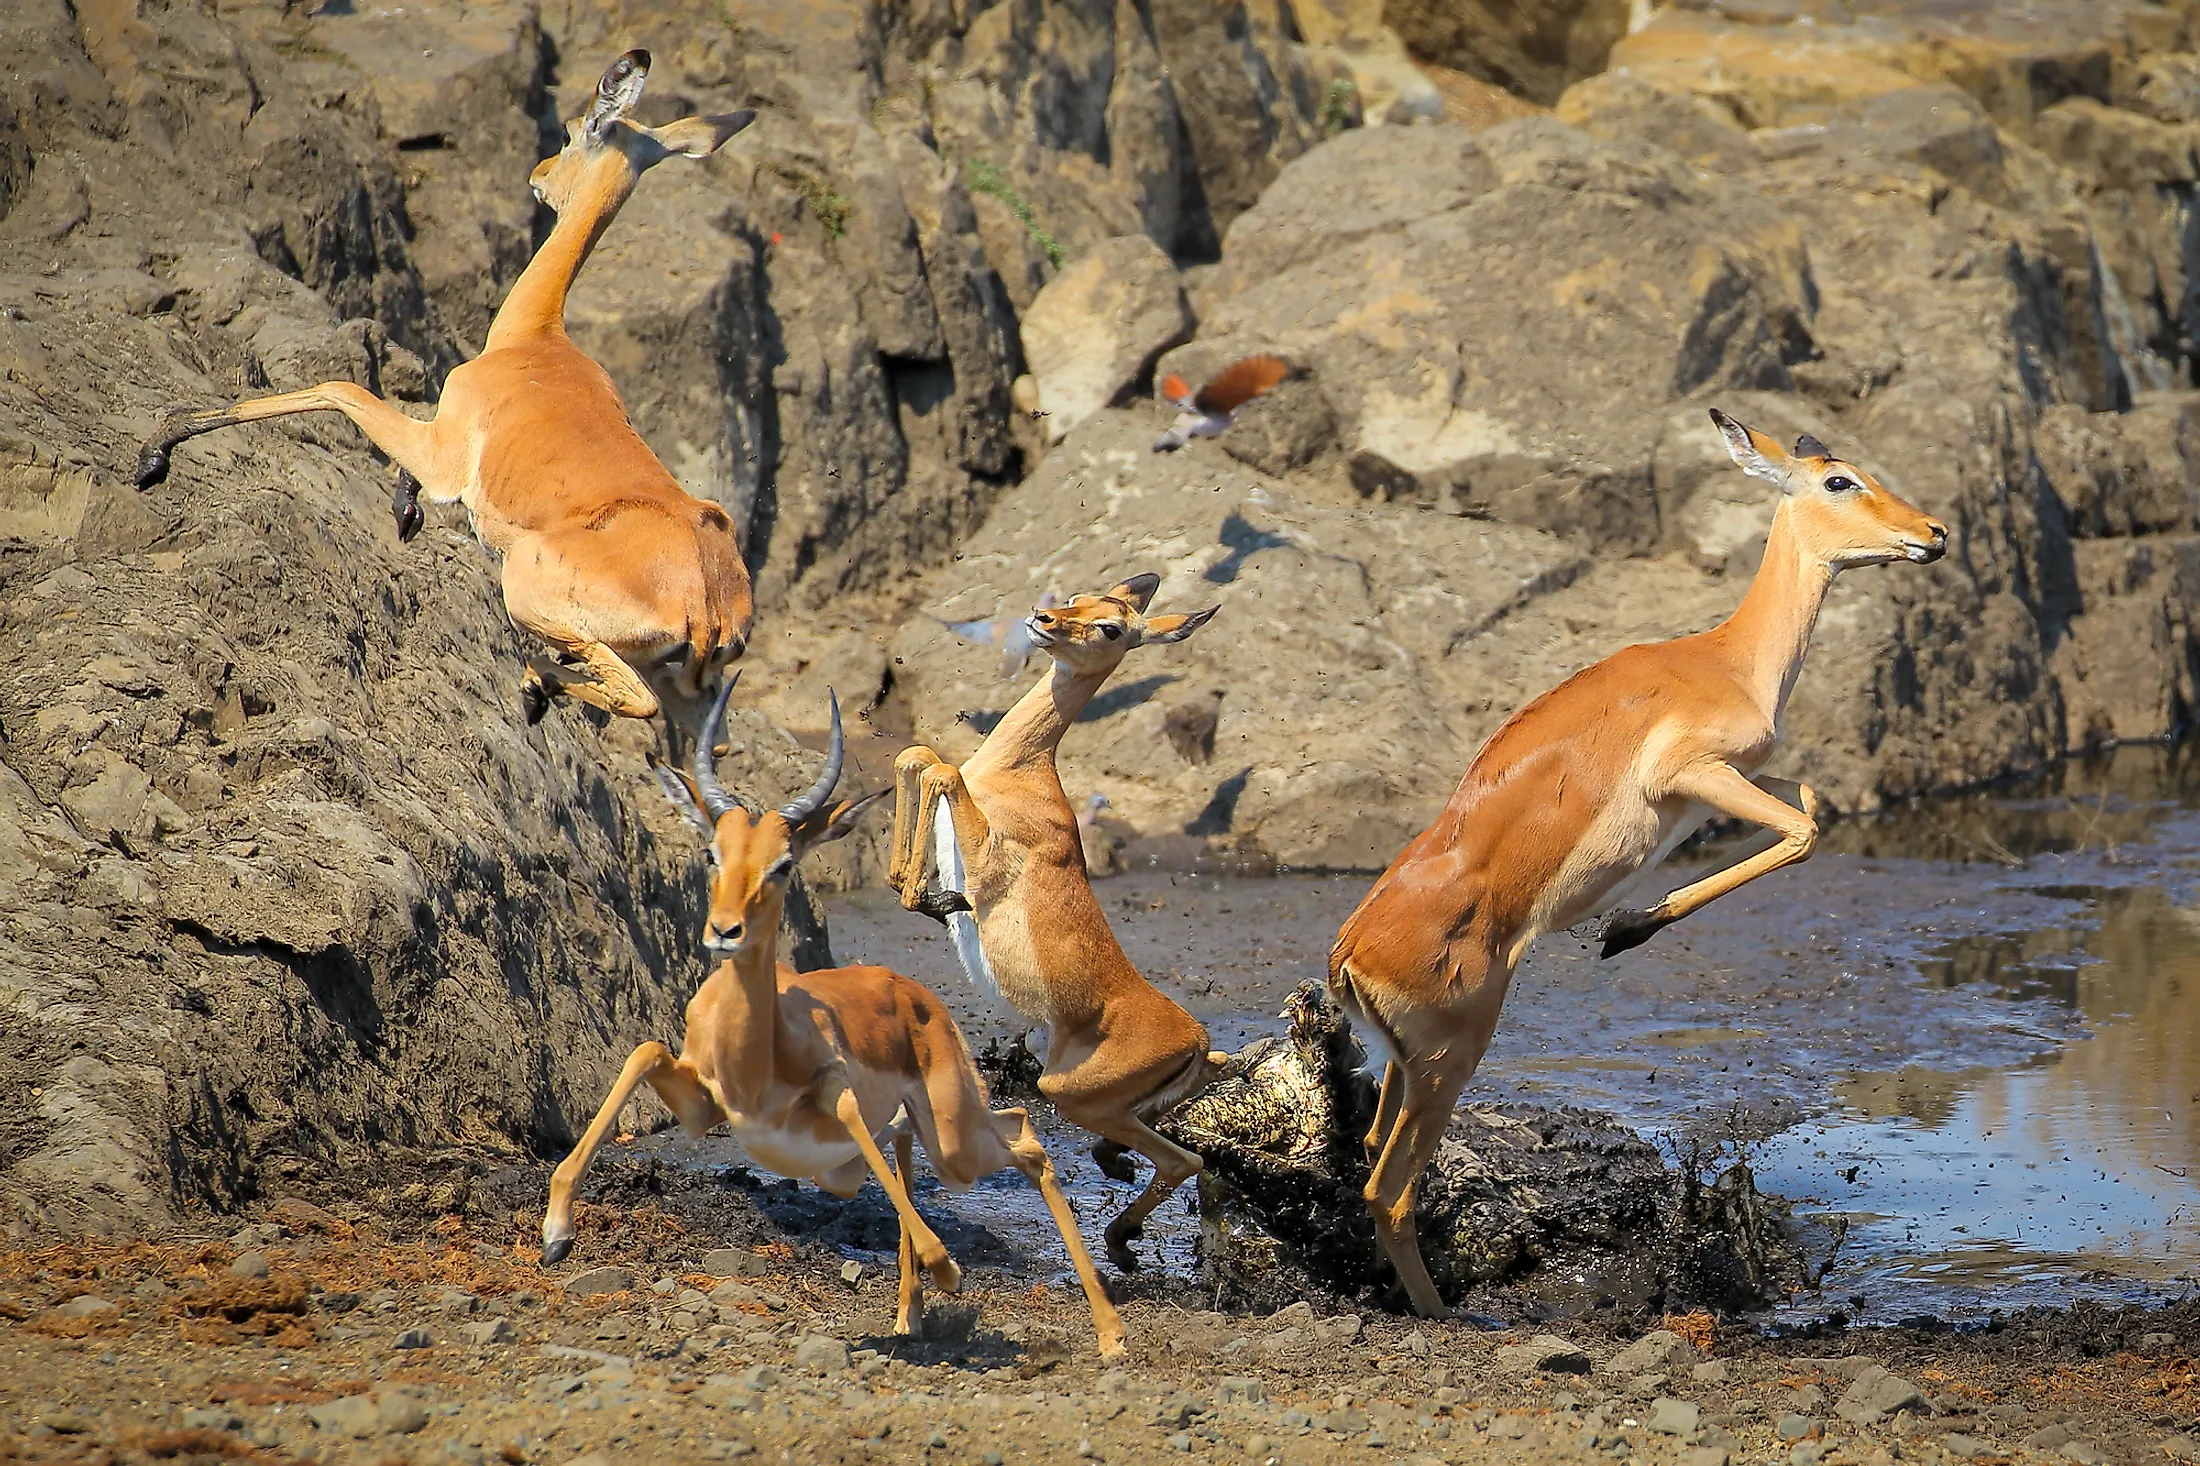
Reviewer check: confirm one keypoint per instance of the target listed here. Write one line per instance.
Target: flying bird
(1209, 411)
(1190, 727)
(1103, 847)
(1012, 634)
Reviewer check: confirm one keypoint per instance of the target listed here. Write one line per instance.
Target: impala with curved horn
(813, 1070)
(638, 587)
(1595, 780)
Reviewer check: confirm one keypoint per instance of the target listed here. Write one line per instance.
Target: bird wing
(1177, 391)
(1240, 383)
(982, 632)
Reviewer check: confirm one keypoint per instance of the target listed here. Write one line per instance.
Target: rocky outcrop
(1094, 333)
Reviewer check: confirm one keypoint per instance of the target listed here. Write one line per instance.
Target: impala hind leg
(1014, 1129)
(406, 440)
(909, 1309)
(1173, 1165)
(1393, 1186)
(676, 1084)
(946, 1276)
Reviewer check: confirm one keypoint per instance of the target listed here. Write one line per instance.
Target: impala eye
(1840, 483)
(1110, 631)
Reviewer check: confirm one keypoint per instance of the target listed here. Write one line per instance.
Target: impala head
(753, 855)
(605, 152)
(1845, 515)
(1092, 633)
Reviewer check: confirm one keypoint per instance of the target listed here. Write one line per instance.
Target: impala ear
(616, 93)
(840, 819)
(1137, 592)
(1757, 455)
(699, 137)
(1809, 447)
(680, 790)
(1176, 628)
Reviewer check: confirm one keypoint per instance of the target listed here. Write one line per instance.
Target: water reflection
(2082, 1168)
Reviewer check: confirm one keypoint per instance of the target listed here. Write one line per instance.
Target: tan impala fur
(812, 1070)
(1590, 783)
(1120, 1053)
(638, 586)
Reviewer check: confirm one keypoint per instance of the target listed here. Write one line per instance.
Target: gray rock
(354, 1415)
(1710, 1372)
(1795, 1427)
(2179, 1447)
(1669, 1416)
(2049, 1439)
(1239, 1389)
(412, 1339)
(1545, 1352)
(249, 1265)
(735, 1262)
(488, 1331)
(1706, 1455)
(1660, 1349)
(820, 1354)
(1094, 332)
(457, 1303)
(1964, 1447)
(1875, 1394)
(399, 1413)
(2085, 1453)
(85, 1305)
(598, 1280)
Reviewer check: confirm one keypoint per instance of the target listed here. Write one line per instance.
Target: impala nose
(726, 938)
(1939, 546)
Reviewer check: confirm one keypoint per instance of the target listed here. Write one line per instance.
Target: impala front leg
(1794, 820)
(936, 783)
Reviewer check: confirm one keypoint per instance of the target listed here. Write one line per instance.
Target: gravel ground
(310, 1335)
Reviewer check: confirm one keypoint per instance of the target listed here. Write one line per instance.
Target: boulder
(1093, 334)
(1536, 49)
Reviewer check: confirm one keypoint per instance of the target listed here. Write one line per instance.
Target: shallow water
(1978, 1020)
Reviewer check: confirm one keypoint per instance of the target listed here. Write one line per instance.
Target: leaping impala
(813, 1069)
(638, 586)
(1020, 907)
(1595, 780)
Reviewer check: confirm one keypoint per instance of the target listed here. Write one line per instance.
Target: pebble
(821, 1354)
(598, 1280)
(1258, 1445)
(734, 1262)
(1794, 1427)
(458, 1303)
(66, 1422)
(1705, 1456)
(1669, 1416)
(400, 1413)
(1240, 1388)
(353, 1415)
(1710, 1372)
(211, 1419)
(851, 1273)
(1955, 1443)
(413, 1339)
(1546, 1352)
(2157, 1341)
(1807, 1453)
(1181, 1441)
(2085, 1453)
(488, 1331)
(84, 1306)
(1876, 1394)
(1656, 1350)
(249, 1265)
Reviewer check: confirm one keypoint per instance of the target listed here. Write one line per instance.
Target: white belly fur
(962, 927)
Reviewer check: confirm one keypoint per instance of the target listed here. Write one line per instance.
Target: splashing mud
(1566, 1195)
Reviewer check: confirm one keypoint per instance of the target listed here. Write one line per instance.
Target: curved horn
(717, 803)
(810, 803)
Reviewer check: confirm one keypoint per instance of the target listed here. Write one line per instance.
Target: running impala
(637, 586)
(812, 1069)
(1595, 780)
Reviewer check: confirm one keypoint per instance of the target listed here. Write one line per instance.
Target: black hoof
(939, 904)
(554, 1253)
(1630, 929)
(534, 701)
(1119, 1250)
(1114, 1161)
(152, 466)
(405, 505)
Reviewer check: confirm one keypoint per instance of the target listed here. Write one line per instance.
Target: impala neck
(1033, 728)
(750, 1014)
(536, 305)
(1770, 630)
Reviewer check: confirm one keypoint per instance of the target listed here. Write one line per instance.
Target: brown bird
(1190, 727)
(1209, 411)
